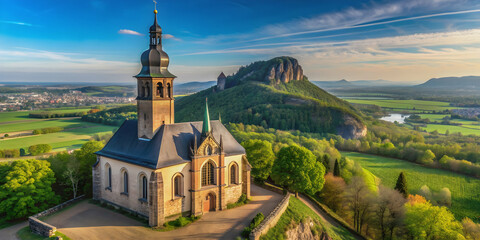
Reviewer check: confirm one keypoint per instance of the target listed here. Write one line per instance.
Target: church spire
(206, 120)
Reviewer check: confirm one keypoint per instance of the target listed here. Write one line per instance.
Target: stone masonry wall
(174, 206)
(45, 229)
(271, 220)
(233, 192)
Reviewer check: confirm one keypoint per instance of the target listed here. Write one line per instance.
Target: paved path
(88, 221)
(10, 233)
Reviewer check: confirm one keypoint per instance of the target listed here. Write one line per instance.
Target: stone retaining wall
(45, 229)
(271, 220)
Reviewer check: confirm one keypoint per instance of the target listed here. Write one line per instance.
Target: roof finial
(155, 3)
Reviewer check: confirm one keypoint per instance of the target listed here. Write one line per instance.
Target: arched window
(147, 89)
(233, 174)
(169, 89)
(177, 186)
(144, 187)
(142, 93)
(160, 90)
(208, 177)
(108, 177)
(125, 182)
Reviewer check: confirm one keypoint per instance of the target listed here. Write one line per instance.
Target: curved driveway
(88, 221)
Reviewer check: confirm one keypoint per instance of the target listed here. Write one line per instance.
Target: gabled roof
(170, 145)
(222, 75)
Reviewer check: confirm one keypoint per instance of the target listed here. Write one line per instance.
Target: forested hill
(274, 94)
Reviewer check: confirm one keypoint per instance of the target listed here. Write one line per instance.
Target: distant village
(73, 98)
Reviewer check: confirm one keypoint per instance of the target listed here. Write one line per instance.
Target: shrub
(253, 224)
(242, 200)
(39, 149)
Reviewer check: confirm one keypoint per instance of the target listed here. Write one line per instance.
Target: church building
(160, 169)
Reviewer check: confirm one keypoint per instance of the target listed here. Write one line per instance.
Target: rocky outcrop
(304, 231)
(287, 70)
(351, 128)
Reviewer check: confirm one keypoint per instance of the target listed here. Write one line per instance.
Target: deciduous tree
(297, 169)
(425, 221)
(359, 202)
(389, 211)
(260, 155)
(26, 188)
(333, 191)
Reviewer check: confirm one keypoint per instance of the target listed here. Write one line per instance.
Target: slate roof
(170, 145)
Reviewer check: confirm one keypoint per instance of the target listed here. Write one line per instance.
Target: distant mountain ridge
(357, 83)
(274, 94)
(453, 83)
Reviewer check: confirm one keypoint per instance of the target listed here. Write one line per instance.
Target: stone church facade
(161, 169)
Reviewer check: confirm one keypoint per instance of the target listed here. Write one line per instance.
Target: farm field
(405, 105)
(465, 190)
(464, 129)
(468, 126)
(76, 132)
(23, 115)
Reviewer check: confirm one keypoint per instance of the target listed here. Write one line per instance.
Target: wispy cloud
(16, 23)
(170, 36)
(129, 32)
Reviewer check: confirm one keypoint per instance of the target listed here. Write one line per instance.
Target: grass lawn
(298, 211)
(59, 139)
(26, 234)
(465, 190)
(405, 105)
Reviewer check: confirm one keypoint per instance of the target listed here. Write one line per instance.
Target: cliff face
(351, 128)
(304, 231)
(285, 71)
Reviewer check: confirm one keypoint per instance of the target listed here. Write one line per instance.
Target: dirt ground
(88, 221)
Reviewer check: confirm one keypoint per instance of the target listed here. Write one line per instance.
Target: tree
(427, 157)
(260, 155)
(333, 191)
(425, 192)
(425, 221)
(26, 188)
(336, 169)
(86, 158)
(471, 230)
(359, 201)
(444, 197)
(325, 159)
(22, 152)
(72, 173)
(401, 185)
(297, 169)
(389, 211)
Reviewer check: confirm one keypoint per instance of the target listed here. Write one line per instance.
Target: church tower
(155, 105)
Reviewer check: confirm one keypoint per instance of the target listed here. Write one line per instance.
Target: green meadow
(73, 136)
(23, 115)
(405, 105)
(465, 190)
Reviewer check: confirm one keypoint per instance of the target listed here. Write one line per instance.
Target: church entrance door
(210, 203)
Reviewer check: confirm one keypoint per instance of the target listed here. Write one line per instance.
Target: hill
(469, 83)
(192, 87)
(274, 94)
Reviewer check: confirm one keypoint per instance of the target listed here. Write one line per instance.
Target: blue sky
(101, 41)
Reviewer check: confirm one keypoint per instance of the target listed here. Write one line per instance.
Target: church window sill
(124, 193)
(143, 200)
(108, 189)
